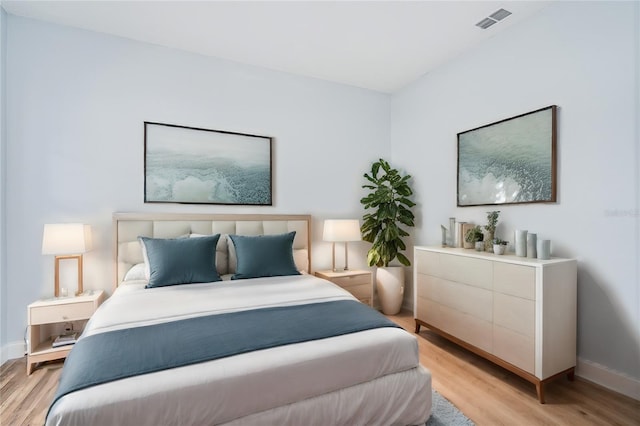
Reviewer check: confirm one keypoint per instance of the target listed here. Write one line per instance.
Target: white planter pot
(390, 285)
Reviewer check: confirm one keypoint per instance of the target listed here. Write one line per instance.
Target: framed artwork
(509, 162)
(203, 166)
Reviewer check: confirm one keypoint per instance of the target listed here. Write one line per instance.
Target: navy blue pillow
(181, 260)
(264, 255)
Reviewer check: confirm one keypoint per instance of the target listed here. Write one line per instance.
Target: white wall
(3, 281)
(76, 102)
(582, 57)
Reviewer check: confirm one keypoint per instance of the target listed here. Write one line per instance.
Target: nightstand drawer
(366, 301)
(353, 280)
(356, 282)
(60, 313)
(362, 291)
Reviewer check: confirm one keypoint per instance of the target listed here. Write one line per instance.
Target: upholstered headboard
(127, 227)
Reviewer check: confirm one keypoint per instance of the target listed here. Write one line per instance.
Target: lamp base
(56, 289)
(346, 258)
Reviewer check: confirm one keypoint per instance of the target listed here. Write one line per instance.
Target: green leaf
(373, 257)
(403, 259)
(404, 190)
(407, 202)
(374, 169)
(405, 220)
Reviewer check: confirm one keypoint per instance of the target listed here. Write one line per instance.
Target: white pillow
(137, 272)
(301, 258)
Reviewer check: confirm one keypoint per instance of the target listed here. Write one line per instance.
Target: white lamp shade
(66, 238)
(341, 230)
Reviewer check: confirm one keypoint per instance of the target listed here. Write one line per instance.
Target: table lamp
(342, 231)
(66, 241)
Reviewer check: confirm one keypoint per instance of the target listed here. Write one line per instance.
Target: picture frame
(190, 165)
(511, 161)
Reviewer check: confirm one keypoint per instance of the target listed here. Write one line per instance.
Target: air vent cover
(500, 14)
(496, 16)
(486, 23)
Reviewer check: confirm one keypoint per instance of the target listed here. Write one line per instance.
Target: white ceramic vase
(531, 245)
(544, 249)
(521, 242)
(390, 285)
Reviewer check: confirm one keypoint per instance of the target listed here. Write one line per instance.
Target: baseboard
(12, 350)
(610, 379)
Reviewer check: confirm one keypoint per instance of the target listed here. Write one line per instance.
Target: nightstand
(46, 319)
(356, 282)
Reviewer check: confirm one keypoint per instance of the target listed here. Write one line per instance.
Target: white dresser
(517, 312)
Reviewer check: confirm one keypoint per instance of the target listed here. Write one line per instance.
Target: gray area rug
(444, 413)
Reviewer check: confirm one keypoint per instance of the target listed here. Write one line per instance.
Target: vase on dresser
(544, 249)
(521, 242)
(488, 242)
(531, 245)
(390, 285)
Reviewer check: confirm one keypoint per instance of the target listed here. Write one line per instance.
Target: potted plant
(476, 237)
(387, 211)
(499, 246)
(490, 227)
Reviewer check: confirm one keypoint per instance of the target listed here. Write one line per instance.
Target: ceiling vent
(496, 16)
(499, 14)
(486, 23)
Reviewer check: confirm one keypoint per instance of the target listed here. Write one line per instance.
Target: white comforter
(258, 387)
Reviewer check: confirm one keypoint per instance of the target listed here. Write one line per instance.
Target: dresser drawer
(474, 301)
(516, 280)
(467, 270)
(353, 280)
(427, 262)
(515, 348)
(514, 313)
(60, 313)
(429, 312)
(427, 287)
(467, 328)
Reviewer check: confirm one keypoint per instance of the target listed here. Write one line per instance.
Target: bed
(367, 375)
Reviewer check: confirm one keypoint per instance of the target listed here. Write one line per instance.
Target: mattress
(314, 379)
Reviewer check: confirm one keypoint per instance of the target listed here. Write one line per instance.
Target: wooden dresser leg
(571, 374)
(540, 391)
(417, 327)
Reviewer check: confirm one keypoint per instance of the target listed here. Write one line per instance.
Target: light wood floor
(487, 394)
(490, 395)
